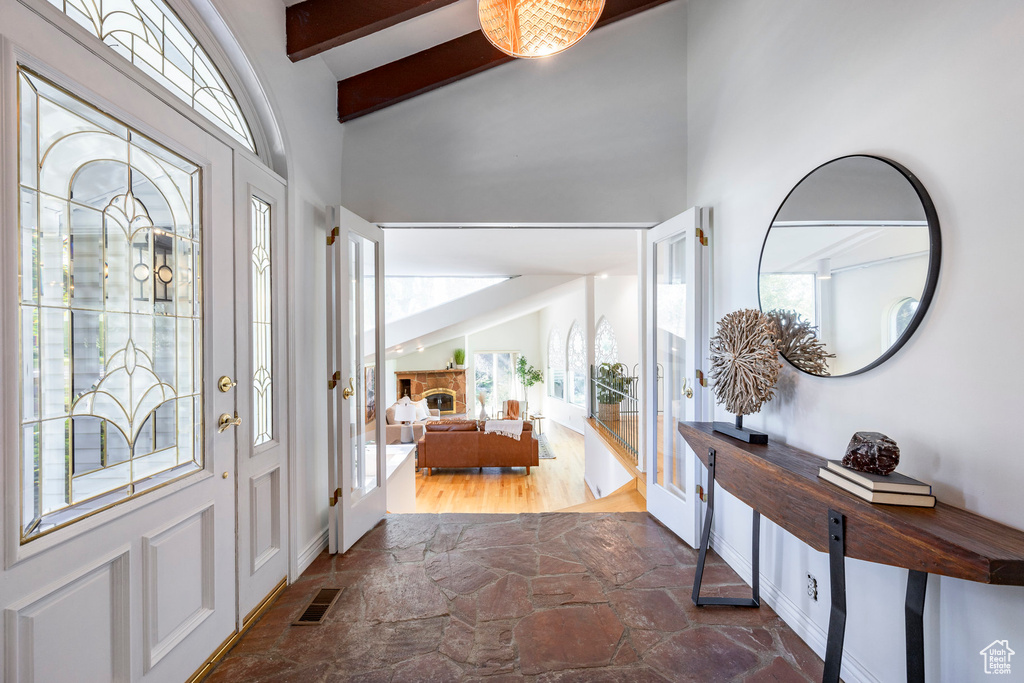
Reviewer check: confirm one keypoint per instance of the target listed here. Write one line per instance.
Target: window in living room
(606, 349)
(556, 364)
(406, 295)
(576, 361)
(494, 377)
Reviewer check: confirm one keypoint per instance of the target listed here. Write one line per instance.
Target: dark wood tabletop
(781, 482)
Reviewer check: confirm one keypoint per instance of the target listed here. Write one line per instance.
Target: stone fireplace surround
(421, 381)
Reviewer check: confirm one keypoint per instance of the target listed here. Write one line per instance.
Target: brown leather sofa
(462, 444)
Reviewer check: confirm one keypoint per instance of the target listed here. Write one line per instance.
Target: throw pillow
(422, 412)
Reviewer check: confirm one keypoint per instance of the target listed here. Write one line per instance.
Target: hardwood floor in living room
(552, 485)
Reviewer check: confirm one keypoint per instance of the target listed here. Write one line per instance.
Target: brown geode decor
(744, 368)
(799, 344)
(872, 452)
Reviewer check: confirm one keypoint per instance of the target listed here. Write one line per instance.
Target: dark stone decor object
(872, 452)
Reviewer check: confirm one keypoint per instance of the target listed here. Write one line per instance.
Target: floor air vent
(317, 608)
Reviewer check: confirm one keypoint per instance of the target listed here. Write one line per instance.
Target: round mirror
(849, 265)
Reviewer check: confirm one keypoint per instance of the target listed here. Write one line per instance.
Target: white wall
(602, 471)
(778, 87)
(561, 313)
(303, 96)
(597, 134)
(615, 298)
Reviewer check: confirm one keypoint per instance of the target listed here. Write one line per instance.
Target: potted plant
(460, 358)
(611, 389)
(528, 376)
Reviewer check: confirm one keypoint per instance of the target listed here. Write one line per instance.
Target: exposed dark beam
(438, 66)
(315, 26)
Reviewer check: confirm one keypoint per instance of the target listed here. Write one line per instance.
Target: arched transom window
(576, 349)
(576, 359)
(606, 349)
(556, 359)
(151, 36)
(556, 364)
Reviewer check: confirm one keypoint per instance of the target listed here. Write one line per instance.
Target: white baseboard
(312, 549)
(798, 620)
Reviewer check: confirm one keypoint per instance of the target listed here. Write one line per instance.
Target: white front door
(355, 341)
(677, 288)
(262, 375)
(117, 302)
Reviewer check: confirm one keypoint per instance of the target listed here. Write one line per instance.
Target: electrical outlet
(812, 587)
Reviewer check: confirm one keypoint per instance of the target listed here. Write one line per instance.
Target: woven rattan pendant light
(537, 28)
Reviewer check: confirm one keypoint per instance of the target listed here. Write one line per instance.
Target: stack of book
(891, 489)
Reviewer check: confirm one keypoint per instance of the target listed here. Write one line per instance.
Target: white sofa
(393, 428)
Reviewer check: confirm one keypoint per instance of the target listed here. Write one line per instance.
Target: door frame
(350, 519)
(695, 223)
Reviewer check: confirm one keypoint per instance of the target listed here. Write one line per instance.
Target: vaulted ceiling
(388, 51)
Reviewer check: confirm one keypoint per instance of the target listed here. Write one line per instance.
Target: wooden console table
(782, 483)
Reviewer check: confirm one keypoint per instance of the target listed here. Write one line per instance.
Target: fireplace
(431, 384)
(441, 399)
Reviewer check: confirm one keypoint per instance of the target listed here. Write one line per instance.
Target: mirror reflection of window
(900, 316)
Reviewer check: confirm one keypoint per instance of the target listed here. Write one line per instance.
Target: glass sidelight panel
(670, 255)
(262, 329)
(362, 324)
(110, 309)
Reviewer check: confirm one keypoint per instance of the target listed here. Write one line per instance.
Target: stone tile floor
(551, 598)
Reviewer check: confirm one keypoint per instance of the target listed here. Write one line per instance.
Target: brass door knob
(350, 391)
(225, 384)
(226, 421)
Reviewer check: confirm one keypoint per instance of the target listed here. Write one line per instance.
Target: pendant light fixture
(537, 28)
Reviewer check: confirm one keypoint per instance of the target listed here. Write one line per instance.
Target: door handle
(350, 391)
(687, 389)
(226, 421)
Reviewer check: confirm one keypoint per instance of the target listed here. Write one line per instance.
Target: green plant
(460, 356)
(527, 374)
(612, 382)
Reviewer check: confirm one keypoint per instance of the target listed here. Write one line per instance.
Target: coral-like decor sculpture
(799, 344)
(744, 361)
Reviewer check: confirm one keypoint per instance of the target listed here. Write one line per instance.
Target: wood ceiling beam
(315, 26)
(442, 64)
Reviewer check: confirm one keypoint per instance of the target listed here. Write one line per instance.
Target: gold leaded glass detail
(262, 339)
(151, 36)
(110, 309)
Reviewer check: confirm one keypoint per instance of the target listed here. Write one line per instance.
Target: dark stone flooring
(551, 598)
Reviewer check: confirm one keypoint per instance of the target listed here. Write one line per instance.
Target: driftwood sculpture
(744, 361)
(799, 344)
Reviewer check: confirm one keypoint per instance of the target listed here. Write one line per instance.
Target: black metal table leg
(705, 544)
(837, 581)
(917, 582)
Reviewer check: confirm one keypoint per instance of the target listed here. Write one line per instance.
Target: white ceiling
(509, 251)
(401, 40)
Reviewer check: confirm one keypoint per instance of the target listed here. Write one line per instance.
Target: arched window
(151, 36)
(556, 364)
(900, 315)
(606, 349)
(576, 362)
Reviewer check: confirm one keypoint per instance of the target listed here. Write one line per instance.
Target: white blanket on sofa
(510, 428)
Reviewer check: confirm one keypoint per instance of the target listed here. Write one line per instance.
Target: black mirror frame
(934, 258)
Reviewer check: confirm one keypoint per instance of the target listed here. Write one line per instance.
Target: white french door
(262, 437)
(117, 298)
(676, 269)
(355, 340)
